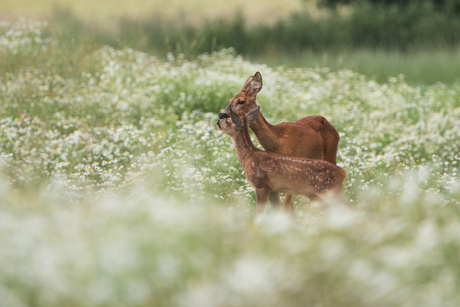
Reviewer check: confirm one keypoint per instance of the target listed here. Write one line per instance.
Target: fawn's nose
(223, 115)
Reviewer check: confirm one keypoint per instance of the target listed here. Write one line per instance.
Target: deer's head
(244, 101)
(234, 124)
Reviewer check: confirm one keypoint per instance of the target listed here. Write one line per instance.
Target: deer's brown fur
(309, 137)
(270, 172)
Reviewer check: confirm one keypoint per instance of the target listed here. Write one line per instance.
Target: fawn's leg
(274, 200)
(262, 198)
(287, 205)
(335, 196)
(316, 201)
(314, 197)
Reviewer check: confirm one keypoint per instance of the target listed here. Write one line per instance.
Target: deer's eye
(240, 102)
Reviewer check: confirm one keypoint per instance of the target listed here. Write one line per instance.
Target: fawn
(270, 172)
(309, 137)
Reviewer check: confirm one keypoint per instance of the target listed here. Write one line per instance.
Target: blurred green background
(419, 39)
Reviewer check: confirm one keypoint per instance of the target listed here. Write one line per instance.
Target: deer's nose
(223, 115)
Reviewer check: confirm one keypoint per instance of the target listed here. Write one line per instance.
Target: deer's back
(304, 138)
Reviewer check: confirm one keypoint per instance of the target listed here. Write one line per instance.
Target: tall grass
(298, 41)
(370, 27)
(118, 189)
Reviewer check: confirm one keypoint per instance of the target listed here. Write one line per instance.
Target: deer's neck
(244, 147)
(266, 133)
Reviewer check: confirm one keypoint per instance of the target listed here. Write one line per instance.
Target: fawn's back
(293, 175)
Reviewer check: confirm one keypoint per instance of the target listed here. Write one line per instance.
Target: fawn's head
(234, 124)
(244, 101)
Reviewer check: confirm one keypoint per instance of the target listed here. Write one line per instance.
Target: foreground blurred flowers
(146, 250)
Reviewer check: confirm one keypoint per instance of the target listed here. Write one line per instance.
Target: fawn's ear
(254, 84)
(252, 114)
(239, 125)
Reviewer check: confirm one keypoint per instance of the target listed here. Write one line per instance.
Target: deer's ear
(247, 85)
(239, 125)
(252, 114)
(256, 83)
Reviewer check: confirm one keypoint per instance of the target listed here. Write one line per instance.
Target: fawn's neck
(265, 133)
(244, 147)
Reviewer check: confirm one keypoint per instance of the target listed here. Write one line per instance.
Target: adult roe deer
(269, 172)
(309, 137)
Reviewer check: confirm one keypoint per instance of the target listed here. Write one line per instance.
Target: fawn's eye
(240, 102)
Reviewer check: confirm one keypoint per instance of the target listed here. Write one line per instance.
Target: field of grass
(260, 31)
(117, 188)
(420, 68)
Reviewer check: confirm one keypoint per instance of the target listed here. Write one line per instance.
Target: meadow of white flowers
(117, 188)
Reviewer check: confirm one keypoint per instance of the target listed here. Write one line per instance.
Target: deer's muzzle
(223, 115)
